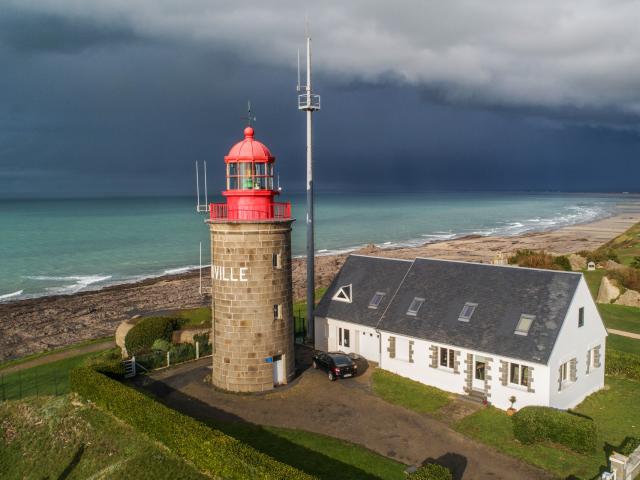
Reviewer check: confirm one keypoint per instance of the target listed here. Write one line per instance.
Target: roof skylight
(376, 299)
(343, 294)
(524, 324)
(416, 303)
(467, 311)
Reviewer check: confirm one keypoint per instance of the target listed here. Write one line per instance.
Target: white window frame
(342, 296)
(373, 305)
(521, 331)
(466, 318)
(451, 358)
(564, 373)
(414, 312)
(522, 379)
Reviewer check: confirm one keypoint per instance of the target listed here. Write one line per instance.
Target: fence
(28, 383)
(300, 323)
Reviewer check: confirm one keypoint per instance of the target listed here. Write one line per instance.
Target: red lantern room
(250, 191)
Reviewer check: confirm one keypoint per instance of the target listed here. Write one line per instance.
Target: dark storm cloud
(122, 97)
(32, 31)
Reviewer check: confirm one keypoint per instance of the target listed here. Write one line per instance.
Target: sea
(64, 246)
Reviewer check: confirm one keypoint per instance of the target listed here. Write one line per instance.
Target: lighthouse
(251, 298)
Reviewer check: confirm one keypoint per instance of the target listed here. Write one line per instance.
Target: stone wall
(247, 290)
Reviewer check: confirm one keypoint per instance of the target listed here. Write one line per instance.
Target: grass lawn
(627, 245)
(300, 310)
(408, 393)
(620, 317)
(325, 457)
(492, 426)
(593, 279)
(28, 358)
(624, 344)
(195, 317)
(57, 437)
(47, 379)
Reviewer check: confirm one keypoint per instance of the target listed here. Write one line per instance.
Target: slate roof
(368, 276)
(502, 294)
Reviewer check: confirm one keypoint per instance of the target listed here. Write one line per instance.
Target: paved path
(54, 357)
(345, 409)
(624, 333)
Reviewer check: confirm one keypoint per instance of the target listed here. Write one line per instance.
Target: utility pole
(309, 102)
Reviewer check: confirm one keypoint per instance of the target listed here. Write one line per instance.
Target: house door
(356, 341)
(479, 372)
(278, 370)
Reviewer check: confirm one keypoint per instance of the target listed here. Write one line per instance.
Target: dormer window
(467, 311)
(376, 299)
(524, 324)
(416, 303)
(343, 294)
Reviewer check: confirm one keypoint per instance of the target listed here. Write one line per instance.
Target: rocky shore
(31, 326)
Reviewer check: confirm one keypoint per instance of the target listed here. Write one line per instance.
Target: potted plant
(511, 410)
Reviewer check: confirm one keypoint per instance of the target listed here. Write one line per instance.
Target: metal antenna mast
(309, 102)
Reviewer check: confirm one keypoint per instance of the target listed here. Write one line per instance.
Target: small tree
(636, 262)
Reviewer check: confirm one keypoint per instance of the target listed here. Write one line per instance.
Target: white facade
(496, 377)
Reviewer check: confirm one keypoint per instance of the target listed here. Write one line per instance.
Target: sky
(121, 98)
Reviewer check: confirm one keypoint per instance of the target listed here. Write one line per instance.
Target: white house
(488, 331)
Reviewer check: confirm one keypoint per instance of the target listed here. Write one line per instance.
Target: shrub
(108, 362)
(600, 255)
(208, 449)
(147, 331)
(161, 345)
(629, 445)
(182, 352)
(628, 277)
(205, 343)
(622, 364)
(537, 424)
(431, 471)
(534, 259)
(636, 262)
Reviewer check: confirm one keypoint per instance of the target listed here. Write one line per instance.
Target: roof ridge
(498, 266)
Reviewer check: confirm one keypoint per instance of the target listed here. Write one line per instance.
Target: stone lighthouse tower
(251, 275)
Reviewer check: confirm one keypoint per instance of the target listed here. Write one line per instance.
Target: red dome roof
(249, 150)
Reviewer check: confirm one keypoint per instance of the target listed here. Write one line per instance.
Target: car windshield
(341, 360)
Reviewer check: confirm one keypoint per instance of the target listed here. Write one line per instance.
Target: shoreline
(36, 324)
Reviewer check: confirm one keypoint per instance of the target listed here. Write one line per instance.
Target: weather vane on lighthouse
(309, 102)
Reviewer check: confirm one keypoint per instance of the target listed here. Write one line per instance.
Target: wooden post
(197, 350)
(168, 359)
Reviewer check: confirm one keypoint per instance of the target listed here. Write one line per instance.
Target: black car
(335, 364)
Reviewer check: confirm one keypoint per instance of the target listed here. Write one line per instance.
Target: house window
(467, 311)
(580, 317)
(447, 357)
(524, 324)
(340, 336)
(346, 337)
(564, 373)
(277, 312)
(277, 260)
(519, 374)
(416, 303)
(343, 294)
(589, 360)
(376, 299)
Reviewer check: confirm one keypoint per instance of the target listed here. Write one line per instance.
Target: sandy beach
(35, 325)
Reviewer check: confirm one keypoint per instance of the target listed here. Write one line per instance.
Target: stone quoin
(252, 303)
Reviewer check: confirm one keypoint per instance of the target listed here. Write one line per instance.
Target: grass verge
(623, 344)
(408, 393)
(58, 437)
(620, 317)
(614, 422)
(34, 356)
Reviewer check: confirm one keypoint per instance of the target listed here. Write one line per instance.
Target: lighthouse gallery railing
(221, 211)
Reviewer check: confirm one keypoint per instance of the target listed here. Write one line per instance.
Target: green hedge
(431, 471)
(208, 449)
(622, 364)
(536, 424)
(147, 331)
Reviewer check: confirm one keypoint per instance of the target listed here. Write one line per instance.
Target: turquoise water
(52, 247)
